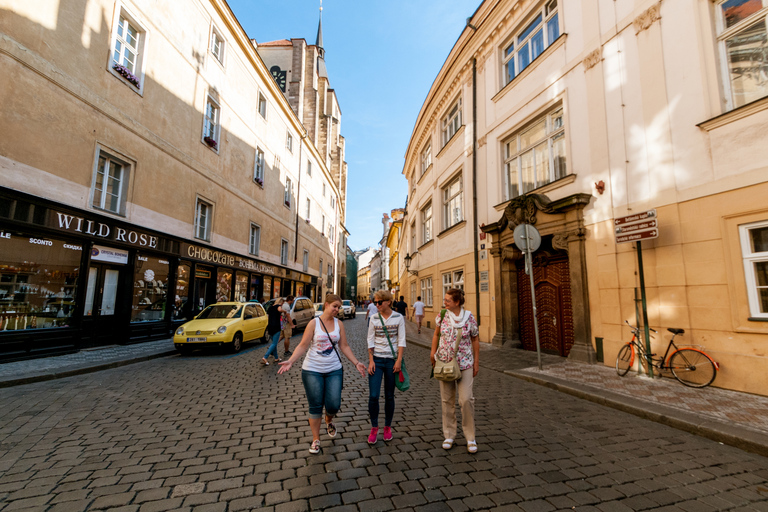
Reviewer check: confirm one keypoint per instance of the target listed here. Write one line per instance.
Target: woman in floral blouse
(457, 322)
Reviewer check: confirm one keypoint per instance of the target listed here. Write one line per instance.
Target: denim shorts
(323, 390)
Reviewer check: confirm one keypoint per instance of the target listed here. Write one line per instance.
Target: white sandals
(447, 444)
(471, 446)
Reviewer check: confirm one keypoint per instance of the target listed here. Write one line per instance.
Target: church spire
(319, 41)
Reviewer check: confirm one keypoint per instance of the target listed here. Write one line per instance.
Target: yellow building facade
(568, 116)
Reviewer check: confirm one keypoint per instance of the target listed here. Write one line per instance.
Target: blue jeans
(323, 390)
(273, 346)
(384, 366)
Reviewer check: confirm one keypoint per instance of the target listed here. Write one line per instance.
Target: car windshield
(347, 302)
(221, 311)
(318, 307)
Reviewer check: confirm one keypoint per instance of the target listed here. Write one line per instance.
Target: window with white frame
(426, 223)
(262, 106)
(453, 194)
(743, 40)
(454, 279)
(110, 183)
(217, 45)
(283, 251)
(333, 202)
(413, 292)
(203, 220)
(305, 261)
(128, 46)
(426, 157)
(535, 156)
(309, 168)
(331, 231)
(531, 41)
(413, 238)
(323, 189)
(320, 268)
(211, 122)
(287, 193)
(289, 142)
(258, 167)
(254, 241)
(309, 209)
(330, 275)
(451, 121)
(426, 291)
(322, 224)
(754, 250)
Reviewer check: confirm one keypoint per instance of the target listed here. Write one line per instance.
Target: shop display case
(35, 298)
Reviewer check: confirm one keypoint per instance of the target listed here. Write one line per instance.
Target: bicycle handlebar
(638, 328)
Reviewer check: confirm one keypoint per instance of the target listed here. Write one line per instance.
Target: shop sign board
(73, 224)
(222, 258)
(637, 227)
(109, 255)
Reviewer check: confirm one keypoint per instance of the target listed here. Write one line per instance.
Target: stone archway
(561, 225)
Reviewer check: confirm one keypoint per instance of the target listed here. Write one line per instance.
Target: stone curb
(81, 370)
(720, 431)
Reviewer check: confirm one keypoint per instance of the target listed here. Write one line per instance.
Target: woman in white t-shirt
(322, 372)
(384, 361)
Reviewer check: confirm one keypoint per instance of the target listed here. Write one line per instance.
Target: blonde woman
(382, 362)
(457, 325)
(322, 372)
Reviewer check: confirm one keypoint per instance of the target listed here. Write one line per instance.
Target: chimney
(385, 222)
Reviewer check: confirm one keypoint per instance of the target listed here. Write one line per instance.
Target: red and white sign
(636, 227)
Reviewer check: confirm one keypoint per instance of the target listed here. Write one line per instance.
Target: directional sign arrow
(639, 226)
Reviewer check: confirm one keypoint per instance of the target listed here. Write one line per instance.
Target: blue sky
(382, 58)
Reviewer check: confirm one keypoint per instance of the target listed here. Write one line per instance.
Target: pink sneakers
(387, 433)
(374, 434)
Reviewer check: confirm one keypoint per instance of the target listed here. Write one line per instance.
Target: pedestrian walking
(287, 324)
(386, 334)
(418, 311)
(371, 311)
(322, 373)
(456, 335)
(274, 329)
(401, 306)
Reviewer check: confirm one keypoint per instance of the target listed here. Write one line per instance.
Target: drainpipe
(474, 186)
(298, 203)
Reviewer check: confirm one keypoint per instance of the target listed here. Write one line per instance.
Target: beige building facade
(569, 115)
(150, 165)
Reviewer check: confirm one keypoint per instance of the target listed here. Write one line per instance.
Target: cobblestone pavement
(217, 432)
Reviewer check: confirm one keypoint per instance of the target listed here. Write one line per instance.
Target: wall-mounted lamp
(407, 261)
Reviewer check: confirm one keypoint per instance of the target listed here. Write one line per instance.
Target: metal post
(529, 263)
(641, 274)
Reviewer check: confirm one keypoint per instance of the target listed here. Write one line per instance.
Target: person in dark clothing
(274, 315)
(401, 306)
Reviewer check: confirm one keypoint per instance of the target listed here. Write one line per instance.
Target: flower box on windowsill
(259, 182)
(307, 220)
(126, 73)
(211, 142)
(288, 204)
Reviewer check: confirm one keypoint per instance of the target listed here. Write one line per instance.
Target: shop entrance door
(103, 303)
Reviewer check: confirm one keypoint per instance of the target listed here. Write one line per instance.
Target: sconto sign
(636, 227)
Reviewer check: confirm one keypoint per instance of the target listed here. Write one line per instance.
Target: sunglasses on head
(379, 302)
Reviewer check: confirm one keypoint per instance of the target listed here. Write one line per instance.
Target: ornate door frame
(563, 221)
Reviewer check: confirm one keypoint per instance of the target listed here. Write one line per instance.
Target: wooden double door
(551, 276)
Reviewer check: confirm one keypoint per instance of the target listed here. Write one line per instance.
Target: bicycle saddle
(676, 331)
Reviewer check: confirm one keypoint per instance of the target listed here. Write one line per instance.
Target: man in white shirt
(418, 311)
(372, 310)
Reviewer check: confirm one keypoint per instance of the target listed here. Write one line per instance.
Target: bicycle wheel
(692, 367)
(625, 359)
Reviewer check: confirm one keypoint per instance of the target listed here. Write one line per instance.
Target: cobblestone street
(219, 432)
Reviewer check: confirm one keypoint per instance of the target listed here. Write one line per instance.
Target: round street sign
(527, 237)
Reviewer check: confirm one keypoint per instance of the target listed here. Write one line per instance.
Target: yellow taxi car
(223, 323)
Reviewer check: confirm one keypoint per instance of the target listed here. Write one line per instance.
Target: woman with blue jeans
(386, 334)
(321, 371)
(274, 328)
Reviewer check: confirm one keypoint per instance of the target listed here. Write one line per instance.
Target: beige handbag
(449, 371)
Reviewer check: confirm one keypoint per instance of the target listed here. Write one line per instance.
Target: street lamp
(407, 261)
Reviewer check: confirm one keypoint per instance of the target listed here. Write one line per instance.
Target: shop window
(452, 203)
(754, 250)
(110, 183)
(531, 41)
(276, 283)
(241, 287)
(283, 251)
(267, 292)
(182, 292)
(128, 47)
(223, 285)
(535, 156)
(203, 220)
(426, 291)
(743, 40)
(150, 289)
(38, 282)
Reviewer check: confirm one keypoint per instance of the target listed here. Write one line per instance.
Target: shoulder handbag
(449, 371)
(332, 343)
(403, 381)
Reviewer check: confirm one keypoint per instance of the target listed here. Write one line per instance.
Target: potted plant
(126, 73)
(210, 141)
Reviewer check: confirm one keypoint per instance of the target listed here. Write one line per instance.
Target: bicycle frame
(664, 362)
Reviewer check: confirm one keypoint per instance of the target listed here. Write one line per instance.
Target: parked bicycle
(689, 364)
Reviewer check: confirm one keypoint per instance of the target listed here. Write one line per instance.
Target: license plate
(192, 340)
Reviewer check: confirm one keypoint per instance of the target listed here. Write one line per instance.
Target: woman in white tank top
(322, 372)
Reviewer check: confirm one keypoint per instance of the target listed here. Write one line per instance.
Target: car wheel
(237, 342)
